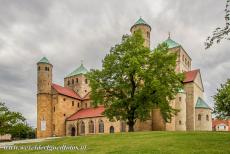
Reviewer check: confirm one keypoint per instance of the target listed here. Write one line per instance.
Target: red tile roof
(219, 121)
(87, 113)
(190, 75)
(66, 91)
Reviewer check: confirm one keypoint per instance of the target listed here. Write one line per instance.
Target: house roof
(44, 60)
(190, 76)
(66, 91)
(141, 21)
(87, 113)
(80, 70)
(171, 43)
(87, 96)
(200, 103)
(216, 122)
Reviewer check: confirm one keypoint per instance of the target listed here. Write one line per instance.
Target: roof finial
(169, 35)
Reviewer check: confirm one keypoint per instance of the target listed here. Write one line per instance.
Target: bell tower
(145, 29)
(44, 101)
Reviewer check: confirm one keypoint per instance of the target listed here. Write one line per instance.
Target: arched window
(73, 131)
(111, 129)
(199, 116)
(148, 34)
(101, 126)
(91, 127)
(179, 122)
(72, 81)
(82, 127)
(207, 117)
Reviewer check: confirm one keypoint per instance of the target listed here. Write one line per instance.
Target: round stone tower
(145, 29)
(44, 101)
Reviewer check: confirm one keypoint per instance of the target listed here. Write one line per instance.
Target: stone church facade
(67, 111)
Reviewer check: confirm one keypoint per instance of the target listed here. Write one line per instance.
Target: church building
(67, 110)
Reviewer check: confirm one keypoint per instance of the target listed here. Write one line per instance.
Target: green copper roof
(201, 104)
(44, 60)
(80, 70)
(141, 21)
(171, 43)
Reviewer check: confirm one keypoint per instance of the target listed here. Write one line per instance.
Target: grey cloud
(67, 32)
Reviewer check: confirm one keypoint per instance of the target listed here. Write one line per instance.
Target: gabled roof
(87, 113)
(66, 91)
(44, 60)
(190, 76)
(171, 43)
(80, 70)
(87, 96)
(200, 103)
(141, 21)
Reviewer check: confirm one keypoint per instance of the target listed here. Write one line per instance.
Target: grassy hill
(142, 142)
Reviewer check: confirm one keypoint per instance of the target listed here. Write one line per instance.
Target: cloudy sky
(69, 31)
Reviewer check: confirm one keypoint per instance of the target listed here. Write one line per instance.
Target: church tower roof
(80, 70)
(141, 21)
(171, 43)
(44, 60)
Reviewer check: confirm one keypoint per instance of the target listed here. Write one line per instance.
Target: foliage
(222, 101)
(133, 80)
(220, 33)
(13, 123)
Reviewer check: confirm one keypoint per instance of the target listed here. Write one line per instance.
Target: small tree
(133, 80)
(220, 33)
(222, 101)
(13, 123)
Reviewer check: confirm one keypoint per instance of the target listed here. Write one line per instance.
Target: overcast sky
(69, 31)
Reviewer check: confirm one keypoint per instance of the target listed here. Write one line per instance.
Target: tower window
(86, 81)
(180, 99)
(72, 81)
(39, 68)
(148, 34)
(199, 116)
(72, 103)
(77, 80)
(64, 99)
(68, 83)
(179, 122)
(54, 109)
(85, 90)
(207, 117)
(47, 68)
(64, 114)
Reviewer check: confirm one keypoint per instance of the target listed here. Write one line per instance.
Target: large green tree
(14, 123)
(133, 80)
(222, 101)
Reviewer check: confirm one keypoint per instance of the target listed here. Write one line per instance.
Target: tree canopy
(222, 101)
(133, 80)
(14, 123)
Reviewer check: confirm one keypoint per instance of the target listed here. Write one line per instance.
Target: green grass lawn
(143, 142)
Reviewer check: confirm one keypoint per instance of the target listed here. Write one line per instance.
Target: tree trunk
(131, 126)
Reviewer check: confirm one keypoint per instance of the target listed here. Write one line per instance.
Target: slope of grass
(142, 142)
